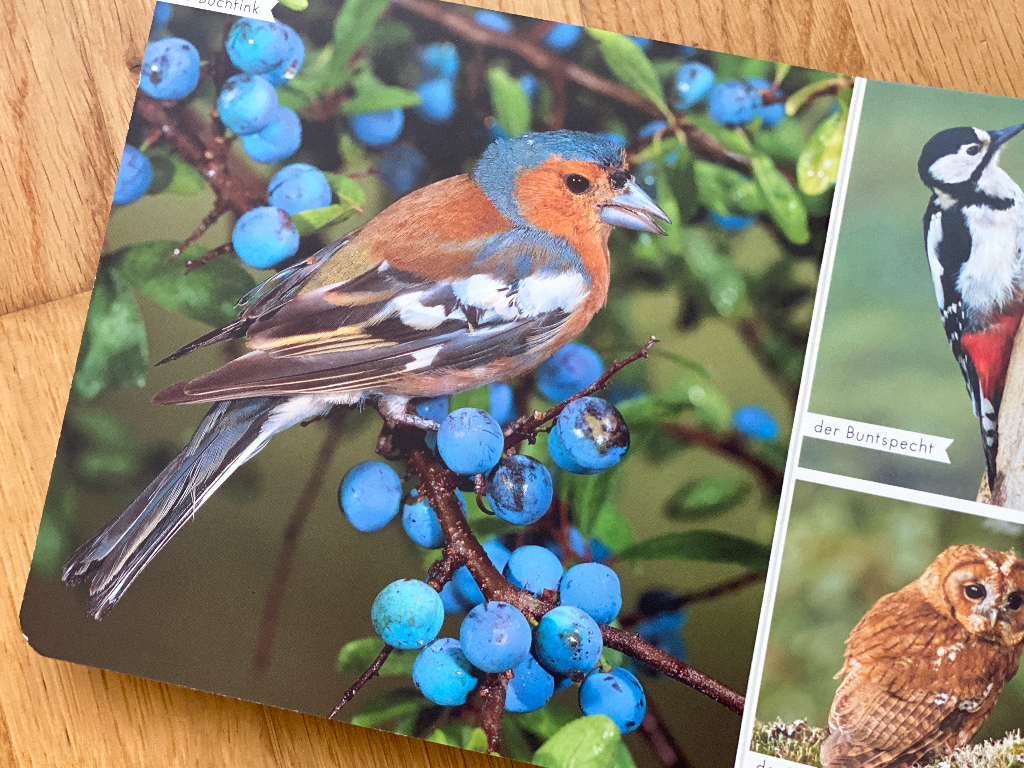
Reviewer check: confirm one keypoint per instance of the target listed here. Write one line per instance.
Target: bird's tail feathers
(230, 434)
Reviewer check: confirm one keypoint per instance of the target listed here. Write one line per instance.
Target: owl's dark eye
(975, 592)
(1015, 601)
(577, 184)
(974, 149)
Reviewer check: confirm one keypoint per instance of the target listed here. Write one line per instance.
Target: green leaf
(783, 143)
(509, 102)
(347, 189)
(722, 281)
(207, 294)
(475, 740)
(355, 657)
(733, 139)
(587, 495)
(114, 350)
(701, 546)
(473, 398)
(800, 96)
(631, 66)
(373, 96)
(308, 222)
(173, 175)
(105, 452)
(613, 529)
(390, 706)
(726, 191)
(817, 168)
(389, 33)
(706, 498)
(784, 204)
(546, 722)
(352, 28)
(295, 5)
(588, 742)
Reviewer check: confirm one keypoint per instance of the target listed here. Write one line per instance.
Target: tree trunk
(1009, 485)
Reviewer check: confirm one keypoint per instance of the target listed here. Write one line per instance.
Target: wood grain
(69, 69)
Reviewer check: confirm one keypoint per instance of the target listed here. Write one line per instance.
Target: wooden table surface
(67, 86)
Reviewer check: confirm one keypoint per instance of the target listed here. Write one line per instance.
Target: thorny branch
(372, 671)
(461, 547)
(303, 506)
(557, 70)
(700, 596)
(732, 445)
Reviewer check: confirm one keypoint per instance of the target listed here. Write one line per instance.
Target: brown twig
(492, 704)
(372, 671)
(303, 506)
(526, 427)
(207, 257)
(708, 593)
(218, 210)
(239, 189)
(733, 445)
(634, 646)
(554, 66)
(755, 333)
(655, 731)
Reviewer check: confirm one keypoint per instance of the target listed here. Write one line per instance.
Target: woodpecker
(974, 236)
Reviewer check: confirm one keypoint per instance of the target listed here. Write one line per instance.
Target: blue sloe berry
(133, 176)
(278, 141)
(495, 636)
(562, 37)
(617, 694)
(247, 103)
(401, 168)
(299, 187)
(439, 60)
(589, 436)
(498, 22)
(466, 585)
(256, 46)
(375, 129)
(438, 100)
(593, 588)
(407, 614)
(264, 237)
(370, 495)
(692, 82)
(568, 640)
(530, 687)
(470, 441)
(572, 368)
(755, 421)
(520, 490)
(533, 569)
(170, 69)
(420, 521)
(443, 674)
(732, 222)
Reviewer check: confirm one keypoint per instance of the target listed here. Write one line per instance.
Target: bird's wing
(367, 333)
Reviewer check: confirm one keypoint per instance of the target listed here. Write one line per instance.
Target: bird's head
(565, 182)
(960, 156)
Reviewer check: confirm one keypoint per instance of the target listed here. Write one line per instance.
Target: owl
(925, 665)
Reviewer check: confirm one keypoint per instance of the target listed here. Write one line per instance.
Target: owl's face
(982, 589)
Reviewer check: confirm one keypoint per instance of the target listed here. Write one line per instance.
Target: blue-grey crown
(502, 162)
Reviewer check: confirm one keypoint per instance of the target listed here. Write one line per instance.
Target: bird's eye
(974, 149)
(975, 592)
(577, 184)
(1015, 601)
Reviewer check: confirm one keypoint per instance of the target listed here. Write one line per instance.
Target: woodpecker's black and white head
(961, 163)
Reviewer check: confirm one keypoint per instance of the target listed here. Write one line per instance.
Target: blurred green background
(884, 358)
(843, 551)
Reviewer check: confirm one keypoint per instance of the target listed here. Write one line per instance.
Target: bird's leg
(396, 413)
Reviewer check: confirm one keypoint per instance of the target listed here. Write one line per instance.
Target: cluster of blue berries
(494, 636)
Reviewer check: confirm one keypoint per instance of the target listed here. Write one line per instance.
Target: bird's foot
(396, 413)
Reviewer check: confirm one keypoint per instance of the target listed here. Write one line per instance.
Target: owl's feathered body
(925, 665)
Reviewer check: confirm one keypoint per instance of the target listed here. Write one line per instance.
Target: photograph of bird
(925, 665)
(974, 235)
(474, 279)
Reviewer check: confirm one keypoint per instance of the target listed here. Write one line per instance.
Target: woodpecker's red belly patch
(990, 350)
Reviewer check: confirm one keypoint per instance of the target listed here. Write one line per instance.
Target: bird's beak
(633, 209)
(1001, 137)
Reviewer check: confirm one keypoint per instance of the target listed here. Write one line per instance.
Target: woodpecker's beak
(633, 209)
(1001, 137)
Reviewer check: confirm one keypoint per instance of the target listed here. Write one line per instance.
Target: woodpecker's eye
(1015, 601)
(974, 149)
(619, 179)
(577, 184)
(975, 592)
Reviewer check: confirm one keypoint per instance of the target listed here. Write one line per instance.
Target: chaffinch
(474, 279)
